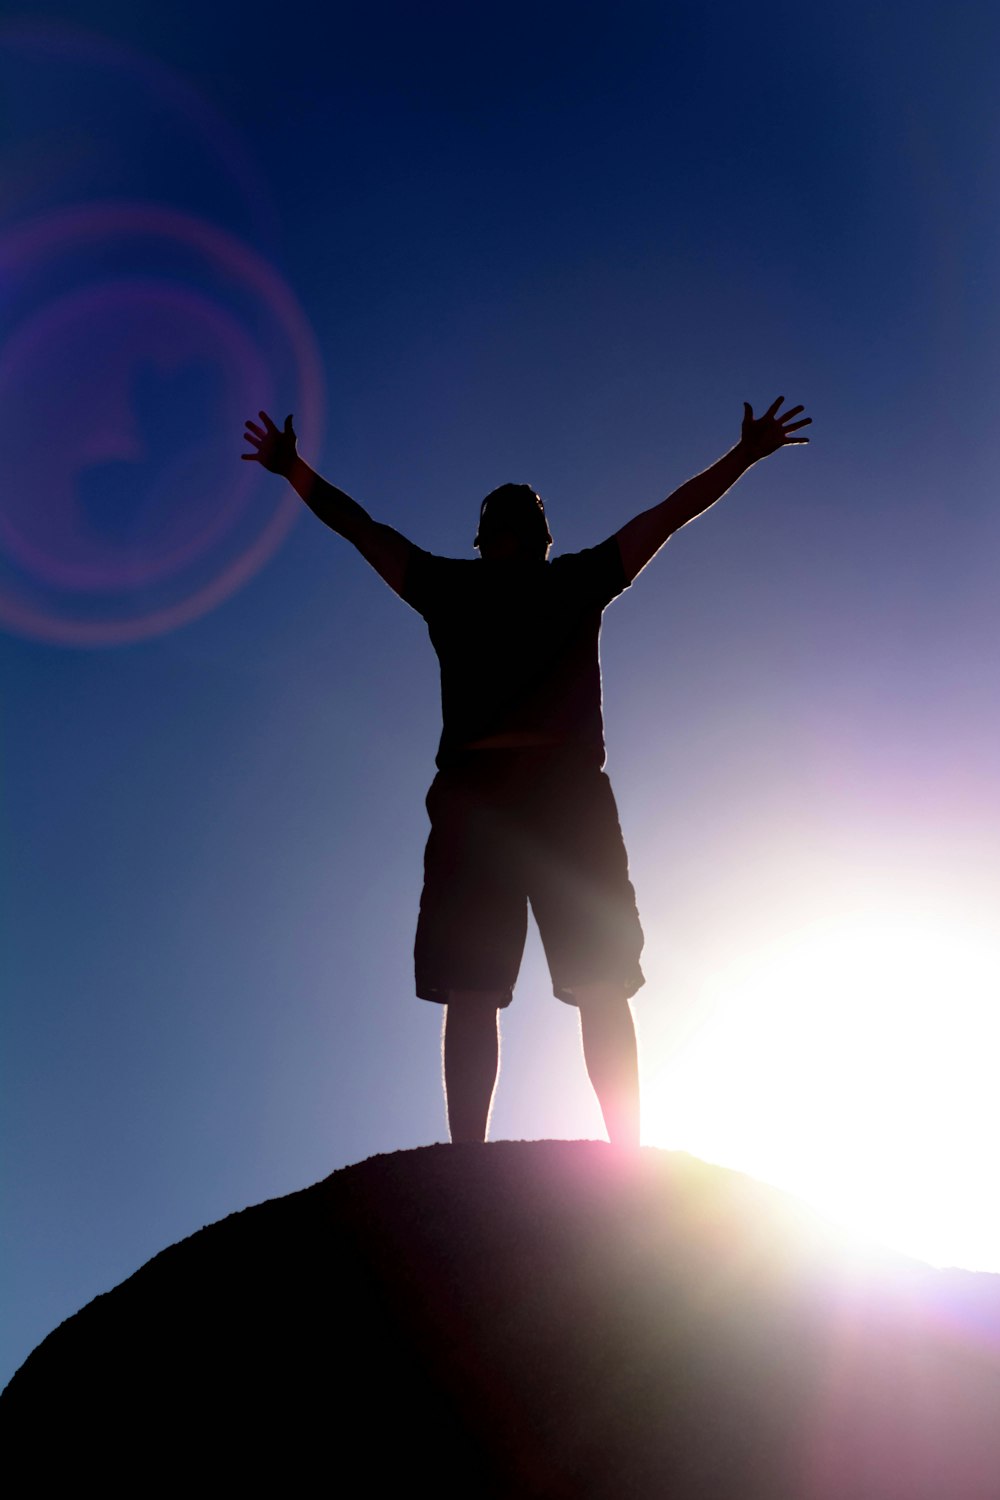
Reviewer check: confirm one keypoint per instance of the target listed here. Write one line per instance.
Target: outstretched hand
(763, 435)
(275, 447)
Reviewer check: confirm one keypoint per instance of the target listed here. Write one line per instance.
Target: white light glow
(854, 1064)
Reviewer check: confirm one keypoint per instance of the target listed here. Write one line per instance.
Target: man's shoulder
(587, 556)
(444, 569)
(430, 577)
(598, 570)
(435, 558)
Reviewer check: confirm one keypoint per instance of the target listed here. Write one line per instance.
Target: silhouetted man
(521, 809)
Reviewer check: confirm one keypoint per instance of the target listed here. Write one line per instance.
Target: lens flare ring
(58, 432)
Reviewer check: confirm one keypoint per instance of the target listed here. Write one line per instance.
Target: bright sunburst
(855, 1065)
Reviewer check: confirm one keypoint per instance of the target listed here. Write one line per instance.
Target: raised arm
(642, 537)
(387, 550)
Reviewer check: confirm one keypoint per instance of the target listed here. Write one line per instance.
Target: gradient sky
(466, 244)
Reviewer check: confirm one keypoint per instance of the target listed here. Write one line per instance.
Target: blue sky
(465, 245)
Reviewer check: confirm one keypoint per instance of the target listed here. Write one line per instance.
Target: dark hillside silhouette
(523, 1318)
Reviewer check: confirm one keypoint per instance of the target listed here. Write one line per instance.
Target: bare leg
(609, 1049)
(471, 1061)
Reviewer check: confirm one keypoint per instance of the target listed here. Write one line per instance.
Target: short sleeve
(598, 573)
(421, 581)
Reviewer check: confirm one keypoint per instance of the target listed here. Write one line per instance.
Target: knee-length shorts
(511, 828)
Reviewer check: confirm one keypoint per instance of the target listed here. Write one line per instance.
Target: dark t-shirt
(518, 644)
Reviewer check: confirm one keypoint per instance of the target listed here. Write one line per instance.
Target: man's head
(512, 525)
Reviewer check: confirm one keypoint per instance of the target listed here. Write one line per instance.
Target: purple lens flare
(139, 340)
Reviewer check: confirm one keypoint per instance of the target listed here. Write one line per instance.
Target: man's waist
(560, 757)
(512, 739)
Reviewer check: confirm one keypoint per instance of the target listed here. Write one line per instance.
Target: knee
(481, 1004)
(600, 994)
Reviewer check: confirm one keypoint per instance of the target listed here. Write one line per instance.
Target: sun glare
(854, 1064)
